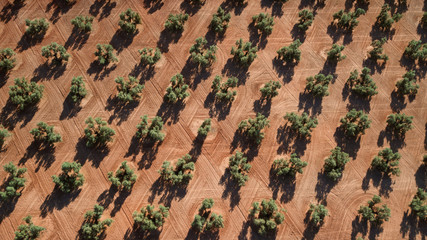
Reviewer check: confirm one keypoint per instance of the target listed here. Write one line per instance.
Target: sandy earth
(62, 215)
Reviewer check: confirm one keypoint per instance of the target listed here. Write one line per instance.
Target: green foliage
(377, 51)
(419, 204)
(318, 85)
(374, 213)
(363, 85)
(97, 132)
(244, 53)
(264, 23)
(423, 20)
(282, 167)
(318, 213)
(207, 220)
(303, 124)
(239, 168)
(355, 123)
(348, 21)
(44, 133)
(129, 91)
(3, 135)
(222, 91)
(306, 18)
(37, 27)
(92, 227)
(416, 50)
(149, 219)
(181, 174)
(386, 20)
(399, 123)
(124, 177)
(408, 85)
(24, 93)
(176, 22)
(129, 20)
(266, 216)
(201, 54)
(220, 20)
(55, 51)
(78, 90)
(152, 131)
(204, 128)
(178, 89)
(291, 53)
(335, 163)
(83, 23)
(387, 162)
(14, 182)
(335, 53)
(150, 56)
(7, 59)
(253, 127)
(105, 54)
(269, 90)
(28, 231)
(70, 178)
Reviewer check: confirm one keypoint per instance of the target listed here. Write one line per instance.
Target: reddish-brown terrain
(62, 215)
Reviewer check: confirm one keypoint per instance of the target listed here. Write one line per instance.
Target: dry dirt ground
(62, 215)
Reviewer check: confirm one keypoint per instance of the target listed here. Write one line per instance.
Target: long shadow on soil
(336, 33)
(286, 137)
(106, 198)
(189, 8)
(196, 147)
(323, 187)
(47, 71)
(59, 7)
(374, 66)
(153, 5)
(286, 185)
(122, 40)
(232, 69)
(314, 4)
(262, 106)
(167, 192)
(421, 177)
(100, 71)
(69, 108)
(298, 33)
(398, 103)
(229, 5)
(28, 41)
(121, 111)
(57, 200)
(310, 103)
(10, 116)
(149, 149)
(7, 207)
(106, 5)
(396, 142)
(355, 101)
(380, 180)
(284, 70)
(170, 111)
(144, 71)
(247, 146)
(311, 228)
(360, 225)
(347, 144)
(77, 39)
(376, 33)
(200, 73)
(44, 155)
(231, 190)
(257, 38)
(166, 38)
(192, 234)
(135, 233)
(411, 227)
(10, 10)
(276, 7)
(94, 155)
(218, 109)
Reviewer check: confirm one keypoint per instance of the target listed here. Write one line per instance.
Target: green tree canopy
(253, 127)
(70, 179)
(178, 89)
(14, 183)
(318, 214)
(335, 163)
(25, 93)
(56, 52)
(44, 133)
(129, 20)
(374, 213)
(220, 20)
(128, 91)
(266, 216)
(239, 168)
(180, 174)
(97, 132)
(244, 54)
(82, 23)
(318, 85)
(303, 124)
(150, 56)
(363, 84)
(354, 123)
(264, 23)
(149, 219)
(282, 167)
(77, 90)
(152, 131)
(387, 162)
(105, 54)
(290, 53)
(176, 22)
(202, 54)
(7, 59)
(93, 227)
(124, 178)
(28, 231)
(222, 90)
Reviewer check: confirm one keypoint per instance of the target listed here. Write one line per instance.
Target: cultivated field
(62, 214)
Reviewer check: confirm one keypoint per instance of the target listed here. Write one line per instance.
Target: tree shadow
(398, 7)
(119, 201)
(170, 111)
(77, 39)
(153, 5)
(59, 7)
(256, 38)
(245, 229)
(231, 189)
(276, 7)
(285, 184)
(146, 71)
(167, 192)
(329, 67)
(233, 69)
(376, 32)
(323, 187)
(47, 71)
(284, 70)
(247, 145)
(57, 200)
(229, 5)
(374, 66)
(43, 153)
(196, 147)
(421, 177)
(298, 33)
(422, 32)
(146, 146)
(200, 73)
(412, 227)
(314, 4)
(121, 111)
(28, 41)
(189, 8)
(106, 6)
(166, 38)
(212, 37)
(7, 207)
(218, 109)
(310, 103)
(349, 145)
(100, 71)
(84, 153)
(136, 233)
(395, 142)
(380, 180)
(410, 64)
(359, 226)
(397, 101)
(122, 40)
(11, 10)
(286, 136)
(69, 108)
(192, 234)
(107, 196)
(262, 106)
(359, 102)
(10, 116)
(336, 33)
(311, 228)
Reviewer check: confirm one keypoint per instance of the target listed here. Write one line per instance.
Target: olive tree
(374, 213)
(270, 89)
(28, 231)
(419, 204)
(282, 167)
(201, 54)
(318, 85)
(266, 216)
(363, 84)
(244, 54)
(399, 123)
(93, 227)
(386, 20)
(129, 20)
(4, 133)
(175, 23)
(206, 220)
(334, 54)
(263, 22)
(306, 18)
(128, 91)
(97, 132)
(44, 133)
(25, 94)
(105, 54)
(77, 90)
(150, 56)
(7, 59)
(222, 90)
(354, 123)
(152, 131)
(416, 50)
(253, 127)
(14, 183)
(387, 162)
(303, 125)
(205, 127)
(220, 21)
(335, 163)
(348, 21)
(291, 53)
(318, 214)
(82, 23)
(124, 178)
(70, 179)
(423, 21)
(149, 219)
(178, 89)
(377, 50)
(56, 52)
(37, 27)
(180, 174)
(239, 168)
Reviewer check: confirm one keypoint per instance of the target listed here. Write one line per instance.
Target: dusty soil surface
(62, 215)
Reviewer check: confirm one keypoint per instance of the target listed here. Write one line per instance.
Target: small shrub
(318, 85)
(355, 123)
(282, 167)
(176, 22)
(416, 50)
(37, 27)
(129, 20)
(3, 135)
(306, 18)
(201, 54)
(124, 177)
(28, 231)
(335, 53)
(178, 89)
(128, 90)
(70, 178)
(375, 214)
(55, 51)
(150, 56)
(222, 90)
(303, 124)
(82, 23)
(220, 21)
(253, 127)
(363, 85)
(204, 128)
(149, 219)
(239, 168)
(24, 93)
(206, 220)
(318, 214)
(348, 21)
(335, 163)
(244, 54)
(266, 216)
(105, 54)
(97, 132)
(181, 174)
(14, 183)
(7, 59)
(419, 204)
(385, 20)
(387, 162)
(269, 90)
(93, 227)
(44, 133)
(291, 53)
(377, 51)
(153, 131)
(264, 23)
(408, 85)
(78, 90)
(399, 123)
